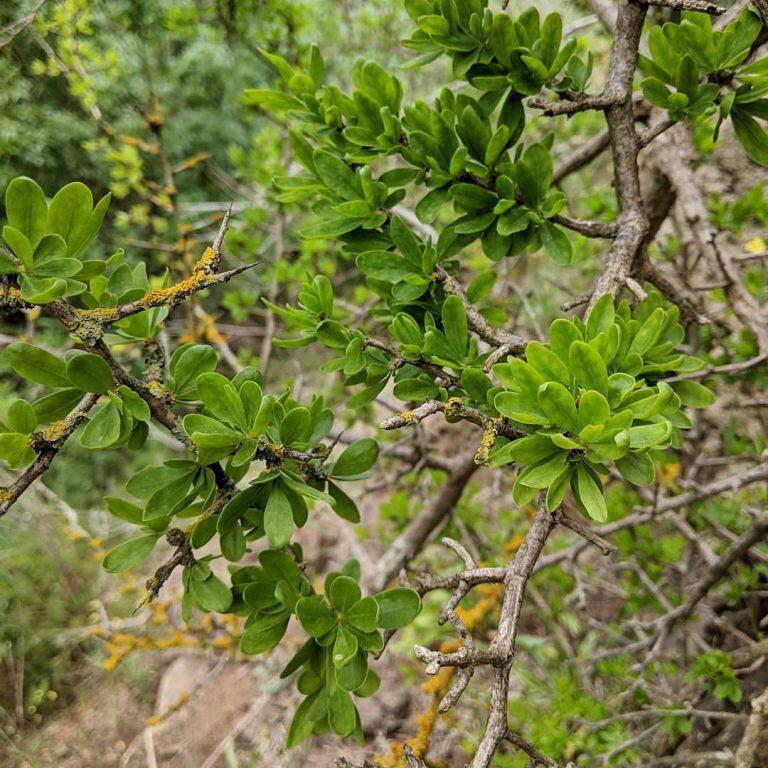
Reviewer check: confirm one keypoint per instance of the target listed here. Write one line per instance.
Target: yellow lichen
(203, 275)
(5, 494)
(175, 707)
(158, 389)
(55, 431)
(486, 443)
(407, 417)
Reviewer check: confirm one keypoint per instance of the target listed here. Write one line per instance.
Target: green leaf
(752, 136)
(649, 435)
(429, 206)
(210, 433)
(547, 363)
(102, 429)
(264, 634)
(693, 394)
(601, 317)
(21, 417)
(559, 406)
(124, 510)
(649, 332)
(309, 712)
(342, 714)
(278, 518)
(50, 248)
(385, 265)
(520, 406)
(71, 215)
(551, 35)
(357, 458)
(562, 333)
(364, 615)
(345, 507)
(332, 334)
(590, 494)
(588, 367)
(37, 365)
(187, 363)
(352, 675)
(42, 290)
(130, 553)
(397, 607)
(315, 615)
(7, 265)
(166, 498)
(90, 373)
(336, 175)
(556, 243)
(221, 398)
(558, 488)
(543, 474)
(344, 592)
(637, 468)
(345, 647)
(211, 594)
(14, 449)
(26, 208)
(455, 325)
(295, 426)
(528, 450)
(593, 408)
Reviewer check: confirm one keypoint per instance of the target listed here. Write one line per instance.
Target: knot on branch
(182, 556)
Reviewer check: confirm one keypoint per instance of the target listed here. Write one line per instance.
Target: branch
(494, 336)
(453, 407)
(745, 754)
(182, 556)
(606, 229)
(200, 279)
(398, 362)
(577, 102)
(688, 5)
(48, 442)
(632, 223)
(517, 574)
(538, 758)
